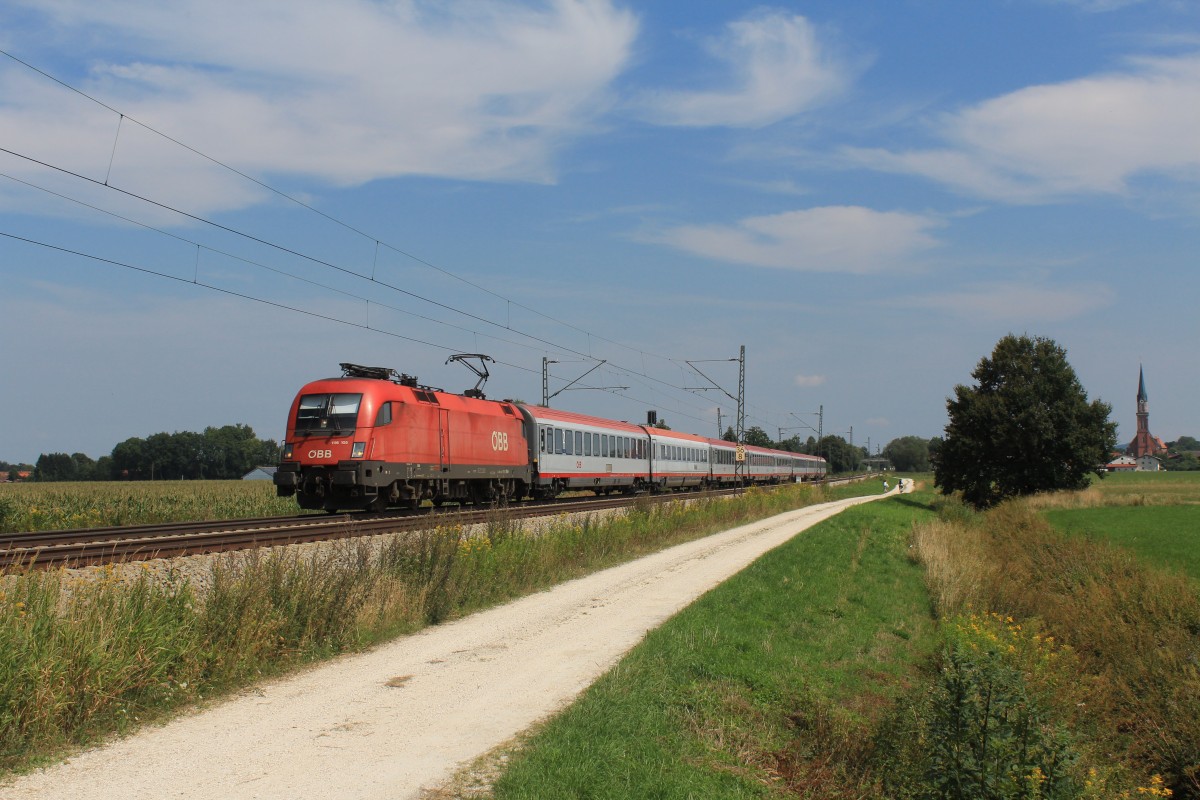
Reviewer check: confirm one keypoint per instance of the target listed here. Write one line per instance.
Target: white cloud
(1099, 5)
(344, 93)
(1014, 302)
(809, 381)
(777, 70)
(827, 239)
(1092, 135)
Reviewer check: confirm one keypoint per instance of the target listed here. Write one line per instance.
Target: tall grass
(84, 657)
(1134, 630)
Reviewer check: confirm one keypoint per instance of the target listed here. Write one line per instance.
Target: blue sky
(219, 201)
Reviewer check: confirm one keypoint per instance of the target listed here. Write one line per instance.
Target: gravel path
(405, 716)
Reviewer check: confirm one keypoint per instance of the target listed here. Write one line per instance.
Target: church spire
(1144, 443)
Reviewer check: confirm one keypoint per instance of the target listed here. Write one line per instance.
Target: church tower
(1144, 443)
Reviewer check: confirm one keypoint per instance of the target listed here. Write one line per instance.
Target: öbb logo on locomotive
(427, 444)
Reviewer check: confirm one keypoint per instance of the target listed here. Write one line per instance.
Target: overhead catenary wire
(651, 382)
(292, 199)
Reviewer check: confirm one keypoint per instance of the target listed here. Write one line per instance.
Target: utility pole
(546, 381)
(739, 466)
(720, 430)
(741, 430)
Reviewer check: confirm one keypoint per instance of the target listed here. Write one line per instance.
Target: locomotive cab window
(327, 412)
(384, 417)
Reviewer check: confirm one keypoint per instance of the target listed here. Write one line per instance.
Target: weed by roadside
(1133, 631)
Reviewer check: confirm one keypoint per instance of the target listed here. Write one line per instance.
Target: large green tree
(1025, 427)
(840, 454)
(908, 454)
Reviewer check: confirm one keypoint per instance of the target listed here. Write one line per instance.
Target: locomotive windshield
(320, 413)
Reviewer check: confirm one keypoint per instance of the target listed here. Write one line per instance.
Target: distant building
(1144, 443)
(1122, 464)
(1149, 464)
(260, 474)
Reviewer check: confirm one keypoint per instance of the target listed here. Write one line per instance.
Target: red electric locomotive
(374, 438)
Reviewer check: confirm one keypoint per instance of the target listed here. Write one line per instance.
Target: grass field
(762, 687)
(909, 648)
(1154, 514)
(1168, 536)
(1152, 487)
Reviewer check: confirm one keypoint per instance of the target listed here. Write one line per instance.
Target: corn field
(63, 506)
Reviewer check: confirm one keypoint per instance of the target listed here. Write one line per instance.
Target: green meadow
(1168, 536)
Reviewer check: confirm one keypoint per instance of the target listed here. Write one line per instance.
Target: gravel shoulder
(405, 716)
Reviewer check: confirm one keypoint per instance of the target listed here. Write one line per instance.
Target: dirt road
(405, 716)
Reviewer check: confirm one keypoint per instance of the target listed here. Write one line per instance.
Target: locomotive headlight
(287, 451)
(358, 450)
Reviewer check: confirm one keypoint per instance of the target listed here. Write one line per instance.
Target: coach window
(558, 441)
(542, 438)
(567, 450)
(578, 443)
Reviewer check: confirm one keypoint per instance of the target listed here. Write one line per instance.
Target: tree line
(224, 453)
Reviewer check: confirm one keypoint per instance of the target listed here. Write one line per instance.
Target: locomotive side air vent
(427, 397)
(508, 410)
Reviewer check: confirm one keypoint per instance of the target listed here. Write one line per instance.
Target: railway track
(94, 546)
